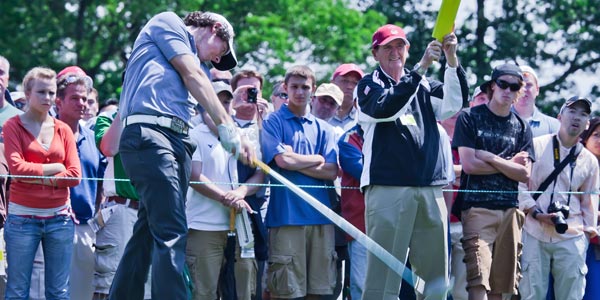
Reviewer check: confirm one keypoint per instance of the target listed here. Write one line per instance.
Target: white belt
(172, 123)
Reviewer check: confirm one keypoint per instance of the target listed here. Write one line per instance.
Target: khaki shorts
(205, 257)
(302, 260)
(492, 244)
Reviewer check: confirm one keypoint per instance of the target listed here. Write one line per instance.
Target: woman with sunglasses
(495, 147)
(42, 154)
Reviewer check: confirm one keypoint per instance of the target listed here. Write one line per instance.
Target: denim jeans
(22, 236)
(358, 257)
(158, 163)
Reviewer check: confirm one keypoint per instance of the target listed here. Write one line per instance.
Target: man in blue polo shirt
(301, 148)
(71, 101)
(162, 79)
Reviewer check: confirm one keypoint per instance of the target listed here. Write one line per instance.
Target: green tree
(98, 35)
(558, 38)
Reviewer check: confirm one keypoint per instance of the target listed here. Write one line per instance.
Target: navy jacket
(402, 142)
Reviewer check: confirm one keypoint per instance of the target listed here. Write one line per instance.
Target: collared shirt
(347, 122)
(151, 85)
(306, 135)
(7, 112)
(541, 123)
(220, 167)
(583, 212)
(83, 196)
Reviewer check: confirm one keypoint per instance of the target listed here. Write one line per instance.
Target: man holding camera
(559, 225)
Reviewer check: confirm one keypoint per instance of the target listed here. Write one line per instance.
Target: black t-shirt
(480, 129)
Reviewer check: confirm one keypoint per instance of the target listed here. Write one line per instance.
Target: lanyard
(556, 153)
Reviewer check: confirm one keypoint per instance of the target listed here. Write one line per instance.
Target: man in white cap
(403, 167)
(479, 97)
(162, 72)
(525, 108)
(327, 100)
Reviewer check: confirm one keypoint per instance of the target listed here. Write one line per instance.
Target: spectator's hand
(235, 199)
(263, 107)
(288, 148)
(450, 44)
(546, 218)
(521, 158)
(432, 53)
(240, 96)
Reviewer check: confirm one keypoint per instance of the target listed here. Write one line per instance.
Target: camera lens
(560, 225)
(252, 93)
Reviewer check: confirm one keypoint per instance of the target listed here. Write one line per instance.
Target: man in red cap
(403, 172)
(346, 77)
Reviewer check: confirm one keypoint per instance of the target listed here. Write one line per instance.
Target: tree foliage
(556, 37)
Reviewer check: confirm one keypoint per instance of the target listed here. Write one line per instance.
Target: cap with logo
(331, 90)
(229, 60)
(576, 99)
(388, 33)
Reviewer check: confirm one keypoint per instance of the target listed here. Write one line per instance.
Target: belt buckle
(178, 125)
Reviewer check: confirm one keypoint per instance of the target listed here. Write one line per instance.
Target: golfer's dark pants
(158, 162)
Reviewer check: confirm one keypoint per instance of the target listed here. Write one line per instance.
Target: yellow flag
(445, 19)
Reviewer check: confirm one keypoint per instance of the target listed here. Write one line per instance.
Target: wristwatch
(417, 68)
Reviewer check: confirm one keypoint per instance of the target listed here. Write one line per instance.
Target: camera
(252, 93)
(562, 213)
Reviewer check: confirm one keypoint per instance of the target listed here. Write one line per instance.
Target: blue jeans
(22, 236)
(158, 163)
(358, 257)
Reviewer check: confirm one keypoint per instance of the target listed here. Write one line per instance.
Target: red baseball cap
(387, 33)
(77, 71)
(347, 68)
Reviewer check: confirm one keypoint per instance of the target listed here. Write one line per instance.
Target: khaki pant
(205, 256)
(492, 245)
(302, 261)
(565, 260)
(398, 218)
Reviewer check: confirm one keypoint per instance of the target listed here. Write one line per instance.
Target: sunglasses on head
(502, 84)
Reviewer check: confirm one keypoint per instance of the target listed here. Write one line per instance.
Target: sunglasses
(282, 95)
(20, 104)
(70, 79)
(505, 84)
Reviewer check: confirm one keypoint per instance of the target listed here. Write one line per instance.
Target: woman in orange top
(42, 154)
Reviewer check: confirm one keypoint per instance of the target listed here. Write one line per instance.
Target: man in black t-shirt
(496, 152)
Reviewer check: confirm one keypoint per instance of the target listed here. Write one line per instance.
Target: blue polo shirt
(83, 196)
(306, 135)
(151, 85)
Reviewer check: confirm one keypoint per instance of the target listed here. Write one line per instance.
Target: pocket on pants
(281, 279)
(472, 257)
(525, 288)
(333, 269)
(107, 258)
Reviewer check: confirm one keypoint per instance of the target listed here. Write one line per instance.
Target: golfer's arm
(200, 87)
